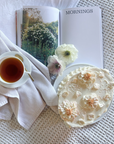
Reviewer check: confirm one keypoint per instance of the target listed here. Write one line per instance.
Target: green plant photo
(39, 38)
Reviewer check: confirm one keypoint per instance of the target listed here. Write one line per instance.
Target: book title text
(79, 11)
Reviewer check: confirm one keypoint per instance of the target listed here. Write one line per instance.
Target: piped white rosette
(84, 95)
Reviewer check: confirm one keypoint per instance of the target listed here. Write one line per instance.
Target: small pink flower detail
(55, 65)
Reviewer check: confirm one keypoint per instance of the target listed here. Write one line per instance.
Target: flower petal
(55, 65)
(67, 53)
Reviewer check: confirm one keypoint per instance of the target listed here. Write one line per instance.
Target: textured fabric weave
(49, 128)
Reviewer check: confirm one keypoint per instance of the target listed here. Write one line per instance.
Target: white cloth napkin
(26, 101)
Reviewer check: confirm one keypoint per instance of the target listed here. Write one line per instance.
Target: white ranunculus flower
(67, 53)
(55, 65)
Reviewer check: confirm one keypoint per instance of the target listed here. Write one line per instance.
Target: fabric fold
(28, 100)
(39, 67)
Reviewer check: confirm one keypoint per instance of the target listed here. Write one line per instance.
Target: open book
(41, 29)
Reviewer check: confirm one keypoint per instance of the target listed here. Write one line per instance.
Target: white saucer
(25, 76)
(67, 71)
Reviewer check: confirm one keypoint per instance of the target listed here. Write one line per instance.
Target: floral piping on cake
(111, 85)
(100, 105)
(86, 78)
(77, 94)
(96, 86)
(90, 101)
(81, 122)
(101, 74)
(74, 80)
(65, 94)
(90, 116)
(107, 97)
(68, 110)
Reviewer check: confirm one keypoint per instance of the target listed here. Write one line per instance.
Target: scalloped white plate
(67, 71)
(25, 76)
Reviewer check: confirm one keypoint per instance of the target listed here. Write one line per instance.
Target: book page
(39, 35)
(83, 28)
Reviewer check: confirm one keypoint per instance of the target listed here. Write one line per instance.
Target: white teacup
(12, 69)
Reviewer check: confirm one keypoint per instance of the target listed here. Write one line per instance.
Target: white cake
(84, 95)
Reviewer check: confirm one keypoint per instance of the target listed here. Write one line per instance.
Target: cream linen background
(49, 128)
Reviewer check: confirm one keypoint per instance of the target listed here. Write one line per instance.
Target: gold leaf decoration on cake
(87, 76)
(91, 102)
(68, 111)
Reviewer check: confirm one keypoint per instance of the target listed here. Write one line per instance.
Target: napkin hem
(3, 103)
(28, 125)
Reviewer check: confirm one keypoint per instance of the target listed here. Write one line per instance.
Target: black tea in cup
(11, 69)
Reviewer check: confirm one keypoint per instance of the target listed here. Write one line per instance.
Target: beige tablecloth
(49, 128)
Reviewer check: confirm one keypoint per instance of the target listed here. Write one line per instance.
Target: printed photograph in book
(39, 35)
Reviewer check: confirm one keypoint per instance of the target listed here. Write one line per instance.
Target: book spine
(16, 25)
